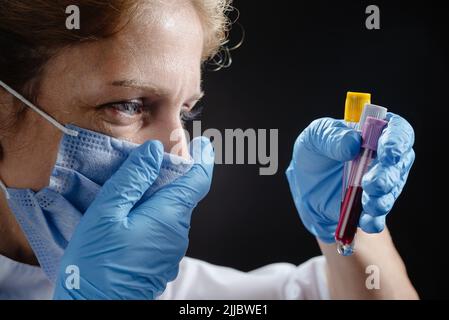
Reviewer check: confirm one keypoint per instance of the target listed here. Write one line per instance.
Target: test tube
(369, 110)
(351, 207)
(354, 106)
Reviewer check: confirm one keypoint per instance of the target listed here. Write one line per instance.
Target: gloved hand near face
(125, 248)
(316, 171)
(134, 233)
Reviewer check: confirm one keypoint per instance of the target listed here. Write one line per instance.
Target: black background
(297, 63)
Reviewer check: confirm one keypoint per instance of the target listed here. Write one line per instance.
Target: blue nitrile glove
(316, 171)
(128, 251)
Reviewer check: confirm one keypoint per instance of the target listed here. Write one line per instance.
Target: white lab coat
(196, 280)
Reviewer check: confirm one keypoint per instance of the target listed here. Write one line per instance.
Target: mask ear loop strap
(68, 131)
(5, 191)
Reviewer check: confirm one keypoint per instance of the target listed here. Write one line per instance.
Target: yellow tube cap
(355, 101)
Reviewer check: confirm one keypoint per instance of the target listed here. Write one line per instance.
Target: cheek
(42, 156)
(30, 155)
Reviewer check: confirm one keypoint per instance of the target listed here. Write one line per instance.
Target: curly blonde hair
(217, 24)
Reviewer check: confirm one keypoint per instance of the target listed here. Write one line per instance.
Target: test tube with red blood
(351, 207)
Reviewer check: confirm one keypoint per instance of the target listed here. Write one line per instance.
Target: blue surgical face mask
(85, 160)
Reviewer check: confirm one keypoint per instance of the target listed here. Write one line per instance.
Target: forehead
(167, 34)
(161, 44)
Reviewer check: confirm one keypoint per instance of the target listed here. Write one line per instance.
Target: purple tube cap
(371, 132)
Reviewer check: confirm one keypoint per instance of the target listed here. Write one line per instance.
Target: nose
(168, 129)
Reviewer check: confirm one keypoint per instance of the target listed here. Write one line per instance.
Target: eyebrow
(135, 84)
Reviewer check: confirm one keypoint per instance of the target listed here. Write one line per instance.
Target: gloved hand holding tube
(126, 249)
(316, 170)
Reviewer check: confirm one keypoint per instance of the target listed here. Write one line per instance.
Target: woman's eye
(123, 113)
(129, 108)
(190, 114)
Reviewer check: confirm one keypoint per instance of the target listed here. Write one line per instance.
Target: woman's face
(131, 86)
